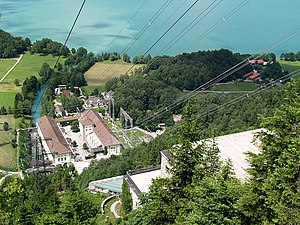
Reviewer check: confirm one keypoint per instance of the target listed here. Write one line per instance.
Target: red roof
(253, 61)
(248, 74)
(260, 61)
(254, 76)
(53, 136)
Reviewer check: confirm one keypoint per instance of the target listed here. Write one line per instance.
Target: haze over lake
(251, 28)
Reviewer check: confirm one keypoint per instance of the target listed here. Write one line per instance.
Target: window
(58, 159)
(65, 158)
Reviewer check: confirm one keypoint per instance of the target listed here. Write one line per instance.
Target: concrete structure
(140, 181)
(97, 134)
(232, 146)
(56, 147)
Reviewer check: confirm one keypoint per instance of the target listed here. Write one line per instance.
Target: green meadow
(29, 65)
(7, 99)
(289, 66)
(8, 154)
(5, 65)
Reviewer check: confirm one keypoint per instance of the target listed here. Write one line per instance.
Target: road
(19, 59)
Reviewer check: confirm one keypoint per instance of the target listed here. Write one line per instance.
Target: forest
(10, 46)
(164, 79)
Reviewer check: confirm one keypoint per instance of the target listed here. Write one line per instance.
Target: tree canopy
(10, 46)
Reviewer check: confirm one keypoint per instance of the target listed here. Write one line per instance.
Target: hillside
(164, 79)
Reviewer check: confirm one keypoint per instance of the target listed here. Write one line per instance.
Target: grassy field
(88, 89)
(7, 99)
(289, 66)
(101, 72)
(28, 66)
(7, 152)
(238, 86)
(5, 65)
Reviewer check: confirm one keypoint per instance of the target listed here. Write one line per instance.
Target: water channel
(37, 105)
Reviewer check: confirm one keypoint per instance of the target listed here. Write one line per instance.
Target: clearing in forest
(102, 72)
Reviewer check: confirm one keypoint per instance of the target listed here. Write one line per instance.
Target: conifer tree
(273, 195)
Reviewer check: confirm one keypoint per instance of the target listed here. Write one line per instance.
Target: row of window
(62, 159)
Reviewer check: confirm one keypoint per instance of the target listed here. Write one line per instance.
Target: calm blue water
(253, 27)
(37, 105)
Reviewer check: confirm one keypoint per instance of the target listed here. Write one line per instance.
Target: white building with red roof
(55, 145)
(97, 134)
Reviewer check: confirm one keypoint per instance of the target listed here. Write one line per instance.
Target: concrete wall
(135, 199)
(164, 166)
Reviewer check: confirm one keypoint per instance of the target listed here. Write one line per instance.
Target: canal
(37, 105)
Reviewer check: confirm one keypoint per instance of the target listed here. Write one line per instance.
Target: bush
(85, 146)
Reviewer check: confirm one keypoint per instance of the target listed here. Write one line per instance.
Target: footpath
(5, 75)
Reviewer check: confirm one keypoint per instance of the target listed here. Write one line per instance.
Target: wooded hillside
(10, 46)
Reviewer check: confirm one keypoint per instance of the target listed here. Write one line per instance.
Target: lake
(250, 29)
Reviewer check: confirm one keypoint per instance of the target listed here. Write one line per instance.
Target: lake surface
(251, 28)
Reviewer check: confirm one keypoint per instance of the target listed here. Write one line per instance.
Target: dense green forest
(10, 46)
(47, 199)
(164, 78)
(290, 56)
(47, 46)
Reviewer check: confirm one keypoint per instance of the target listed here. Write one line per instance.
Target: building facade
(97, 135)
(56, 148)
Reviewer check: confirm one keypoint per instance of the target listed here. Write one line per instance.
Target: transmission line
(217, 24)
(138, 35)
(136, 12)
(60, 54)
(167, 31)
(225, 74)
(242, 97)
(159, 28)
(191, 25)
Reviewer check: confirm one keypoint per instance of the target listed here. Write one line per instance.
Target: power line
(198, 19)
(242, 97)
(139, 8)
(137, 36)
(159, 28)
(225, 74)
(167, 31)
(217, 24)
(66, 41)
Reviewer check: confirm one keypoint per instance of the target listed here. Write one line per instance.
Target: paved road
(19, 59)
(113, 208)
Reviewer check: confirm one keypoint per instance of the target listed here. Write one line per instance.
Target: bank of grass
(29, 65)
(8, 154)
(289, 66)
(102, 72)
(237, 86)
(87, 90)
(5, 65)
